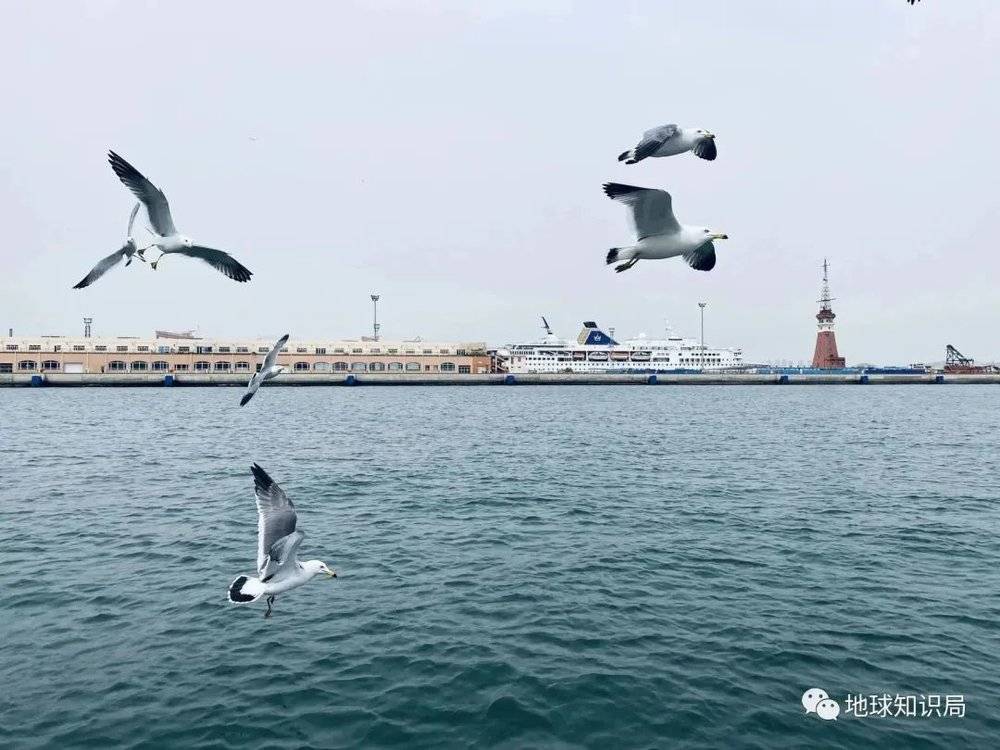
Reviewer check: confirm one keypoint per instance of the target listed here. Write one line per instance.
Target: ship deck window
(160, 366)
(181, 367)
(116, 365)
(202, 366)
(395, 366)
(6, 367)
(222, 366)
(340, 367)
(301, 367)
(413, 367)
(139, 366)
(12, 347)
(447, 367)
(464, 369)
(51, 364)
(242, 367)
(322, 367)
(359, 366)
(376, 366)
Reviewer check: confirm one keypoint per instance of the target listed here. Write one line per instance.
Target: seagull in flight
(278, 541)
(168, 239)
(128, 250)
(658, 232)
(267, 370)
(669, 140)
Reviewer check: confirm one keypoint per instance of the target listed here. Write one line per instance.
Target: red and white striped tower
(825, 355)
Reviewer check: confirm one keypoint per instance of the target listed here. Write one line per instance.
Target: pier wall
(63, 380)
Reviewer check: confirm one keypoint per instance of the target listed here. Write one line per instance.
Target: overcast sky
(450, 156)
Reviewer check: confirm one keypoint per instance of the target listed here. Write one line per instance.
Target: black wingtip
(623, 155)
(612, 256)
(615, 189)
(260, 478)
(245, 399)
(81, 284)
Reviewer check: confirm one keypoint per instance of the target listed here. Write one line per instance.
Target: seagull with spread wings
(168, 239)
(670, 140)
(658, 232)
(278, 541)
(128, 250)
(269, 369)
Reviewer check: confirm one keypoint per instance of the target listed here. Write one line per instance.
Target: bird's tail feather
(244, 590)
(612, 256)
(625, 155)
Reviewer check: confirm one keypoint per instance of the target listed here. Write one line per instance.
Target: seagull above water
(659, 234)
(669, 140)
(128, 250)
(277, 543)
(267, 370)
(168, 239)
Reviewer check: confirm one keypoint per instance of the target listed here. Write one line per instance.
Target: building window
(202, 366)
(413, 367)
(183, 349)
(242, 367)
(300, 350)
(339, 350)
(320, 350)
(464, 369)
(222, 367)
(34, 347)
(142, 348)
(411, 351)
(301, 367)
(181, 368)
(340, 367)
(443, 351)
(116, 365)
(12, 347)
(160, 366)
(139, 366)
(203, 350)
(356, 351)
(51, 364)
(376, 366)
(263, 350)
(395, 366)
(447, 367)
(121, 348)
(358, 366)
(98, 348)
(163, 350)
(322, 367)
(6, 367)
(242, 350)
(428, 351)
(393, 351)
(79, 348)
(223, 350)
(375, 351)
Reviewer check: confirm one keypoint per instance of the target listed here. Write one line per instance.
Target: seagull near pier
(670, 140)
(168, 240)
(128, 250)
(267, 370)
(278, 541)
(658, 232)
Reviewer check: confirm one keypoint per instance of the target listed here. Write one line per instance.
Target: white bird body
(670, 140)
(659, 234)
(278, 540)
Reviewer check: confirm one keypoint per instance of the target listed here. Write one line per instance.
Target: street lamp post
(375, 325)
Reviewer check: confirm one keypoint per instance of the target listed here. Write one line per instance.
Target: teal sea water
(519, 566)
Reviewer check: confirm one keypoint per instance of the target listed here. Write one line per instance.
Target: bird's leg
(626, 265)
(270, 601)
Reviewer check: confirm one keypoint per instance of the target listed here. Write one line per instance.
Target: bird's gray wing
(151, 196)
(702, 258)
(275, 514)
(652, 212)
(705, 148)
(219, 260)
(106, 264)
(272, 356)
(653, 139)
(282, 553)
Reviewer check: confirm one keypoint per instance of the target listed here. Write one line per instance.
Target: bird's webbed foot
(270, 601)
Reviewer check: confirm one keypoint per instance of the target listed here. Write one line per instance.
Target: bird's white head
(186, 241)
(318, 566)
(704, 133)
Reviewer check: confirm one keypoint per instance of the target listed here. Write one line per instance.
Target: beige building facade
(124, 354)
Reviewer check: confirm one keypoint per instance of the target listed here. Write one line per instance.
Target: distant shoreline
(186, 380)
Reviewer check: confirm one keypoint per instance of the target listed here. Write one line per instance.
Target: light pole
(702, 306)
(375, 315)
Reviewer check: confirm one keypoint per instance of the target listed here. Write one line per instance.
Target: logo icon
(817, 701)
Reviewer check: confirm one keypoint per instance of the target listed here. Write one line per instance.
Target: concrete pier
(66, 380)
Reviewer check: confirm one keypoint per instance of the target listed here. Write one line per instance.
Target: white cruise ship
(594, 351)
